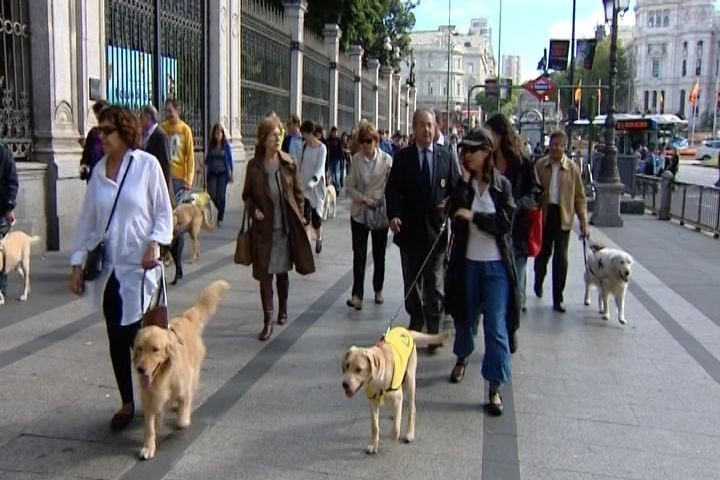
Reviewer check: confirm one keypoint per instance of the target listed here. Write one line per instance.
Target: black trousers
(120, 337)
(359, 246)
(555, 243)
(425, 302)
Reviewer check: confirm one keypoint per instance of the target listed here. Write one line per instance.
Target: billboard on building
(130, 77)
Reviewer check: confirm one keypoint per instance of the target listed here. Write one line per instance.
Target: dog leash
(417, 277)
(585, 252)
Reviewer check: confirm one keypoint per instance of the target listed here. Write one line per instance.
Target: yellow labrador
(168, 363)
(15, 255)
(385, 370)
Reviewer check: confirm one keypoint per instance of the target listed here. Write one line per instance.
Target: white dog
(609, 270)
(330, 200)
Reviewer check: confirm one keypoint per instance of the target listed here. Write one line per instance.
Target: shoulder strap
(122, 182)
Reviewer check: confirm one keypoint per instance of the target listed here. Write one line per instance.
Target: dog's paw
(605, 316)
(146, 453)
(371, 449)
(587, 302)
(410, 438)
(23, 298)
(395, 435)
(622, 321)
(182, 423)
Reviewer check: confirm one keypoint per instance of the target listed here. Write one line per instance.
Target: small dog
(190, 218)
(15, 255)
(385, 370)
(168, 363)
(330, 200)
(609, 270)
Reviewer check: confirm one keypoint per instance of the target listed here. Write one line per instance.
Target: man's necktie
(426, 171)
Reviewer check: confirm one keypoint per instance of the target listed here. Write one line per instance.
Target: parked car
(708, 152)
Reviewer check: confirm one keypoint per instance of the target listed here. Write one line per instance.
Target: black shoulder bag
(96, 257)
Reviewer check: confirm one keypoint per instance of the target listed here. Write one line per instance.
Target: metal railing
(691, 204)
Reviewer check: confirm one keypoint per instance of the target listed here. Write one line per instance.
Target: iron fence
(346, 99)
(695, 205)
(15, 79)
(316, 89)
(382, 106)
(265, 66)
(368, 100)
(154, 51)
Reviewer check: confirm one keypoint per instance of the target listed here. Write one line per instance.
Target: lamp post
(499, 59)
(449, 65)
(608, 187)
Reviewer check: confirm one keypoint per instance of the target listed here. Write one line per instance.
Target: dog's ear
(596, 247)
(345, 358)
(171, 349)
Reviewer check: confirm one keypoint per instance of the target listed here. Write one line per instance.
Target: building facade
(674, 47)
(511, 68)
(471, 62)
(227, 61)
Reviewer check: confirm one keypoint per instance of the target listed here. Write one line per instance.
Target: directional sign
(541, 87)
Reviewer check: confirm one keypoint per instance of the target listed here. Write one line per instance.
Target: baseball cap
(478, 137)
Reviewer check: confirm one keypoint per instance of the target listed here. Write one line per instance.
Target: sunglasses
(367, 141)
(107, 130)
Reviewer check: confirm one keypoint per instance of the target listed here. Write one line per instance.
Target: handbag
(96, 256)
(376, 217)
(243, 246)
(535, 232)
(157, 311)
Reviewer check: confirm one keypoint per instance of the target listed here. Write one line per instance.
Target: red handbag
(535, 228)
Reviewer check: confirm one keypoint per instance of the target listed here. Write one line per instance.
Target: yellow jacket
(401, 344)
(572, 190)
(182, 151)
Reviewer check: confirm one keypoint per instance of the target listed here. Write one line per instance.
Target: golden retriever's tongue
(145, 381)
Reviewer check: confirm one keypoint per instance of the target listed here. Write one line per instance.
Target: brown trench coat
(256, 195)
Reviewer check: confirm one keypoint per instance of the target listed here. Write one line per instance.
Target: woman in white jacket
(141, 222)
(312, 170)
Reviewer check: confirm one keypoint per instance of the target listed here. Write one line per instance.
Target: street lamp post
(608, 187)
(449, 66)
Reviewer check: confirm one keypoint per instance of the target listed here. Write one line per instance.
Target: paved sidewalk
(589, 399)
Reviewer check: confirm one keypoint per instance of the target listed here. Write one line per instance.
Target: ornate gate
(155, 51)
(15, 80)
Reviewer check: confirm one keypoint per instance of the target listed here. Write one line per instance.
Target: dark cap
(478, 137)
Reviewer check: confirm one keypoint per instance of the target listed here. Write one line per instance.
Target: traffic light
(505, 88)
(491, 87)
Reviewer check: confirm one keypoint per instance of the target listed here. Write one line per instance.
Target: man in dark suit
(157, 143)
(422, 178)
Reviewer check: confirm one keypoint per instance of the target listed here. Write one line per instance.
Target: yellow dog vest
(401, 345)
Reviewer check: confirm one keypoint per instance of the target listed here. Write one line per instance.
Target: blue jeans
(487, 285)
(521, 273)
(337, 172)
(217, 187)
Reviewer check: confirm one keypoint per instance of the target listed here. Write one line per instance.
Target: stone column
(374, 71)
(356, 52)
(387, 75)
(331, 36)
(224, 96)
(53, 53)
(398, 105)
(413, 100)
(406, 107)
(295, 13)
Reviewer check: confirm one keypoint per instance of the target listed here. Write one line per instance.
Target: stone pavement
(589, 399)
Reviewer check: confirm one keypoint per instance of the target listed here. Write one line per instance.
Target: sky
(527, 25)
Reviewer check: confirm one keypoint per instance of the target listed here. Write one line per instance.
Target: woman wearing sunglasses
(366, 182)
(132, 231)
(481, 273)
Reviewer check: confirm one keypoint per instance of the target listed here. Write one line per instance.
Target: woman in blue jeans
(481, 276)
(219, 169)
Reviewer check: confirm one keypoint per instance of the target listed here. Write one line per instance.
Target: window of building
(655, 68)
(430, 88)
(444, 90)
(666, 18)
(458, 88)
(458, 62)
(471, 68)
(651, 19)
(646, 101)
(684, 68)
(658, 18)
(685, 49)
(682, 103)
(430, 63)
(662, 101)
(654, 99)
(698, 59)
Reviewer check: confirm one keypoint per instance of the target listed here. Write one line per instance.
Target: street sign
(542, 87)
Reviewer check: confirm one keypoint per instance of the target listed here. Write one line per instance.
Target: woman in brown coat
(273, 196)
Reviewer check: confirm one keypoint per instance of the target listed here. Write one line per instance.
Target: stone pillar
(406, 107)
(413, 100)
(356, 52)
(374, 71)
(295, 13)
(398, 105)
(387, 75)
(54, 57)
(224, 96)
(331, 35)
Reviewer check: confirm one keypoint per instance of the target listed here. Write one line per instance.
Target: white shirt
(555, 184)
(143, 214)
(312, 164)
(430, 157)
(482, 247)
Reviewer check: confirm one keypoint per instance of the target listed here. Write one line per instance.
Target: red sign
(542, 87)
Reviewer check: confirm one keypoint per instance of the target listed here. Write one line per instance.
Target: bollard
(665, 195)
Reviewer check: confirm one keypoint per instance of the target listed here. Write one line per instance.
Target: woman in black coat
(481, 270)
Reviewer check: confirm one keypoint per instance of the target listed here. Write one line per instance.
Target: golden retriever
(168, 363)
(191, 218)
(15, 255)
(375, 369)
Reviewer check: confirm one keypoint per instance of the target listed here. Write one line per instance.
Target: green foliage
(489, 103)
(600, 71)
(366, 23)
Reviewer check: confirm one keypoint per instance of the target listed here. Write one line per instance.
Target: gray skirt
(280, 258)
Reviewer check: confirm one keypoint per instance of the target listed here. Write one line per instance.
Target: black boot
(266, 297)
